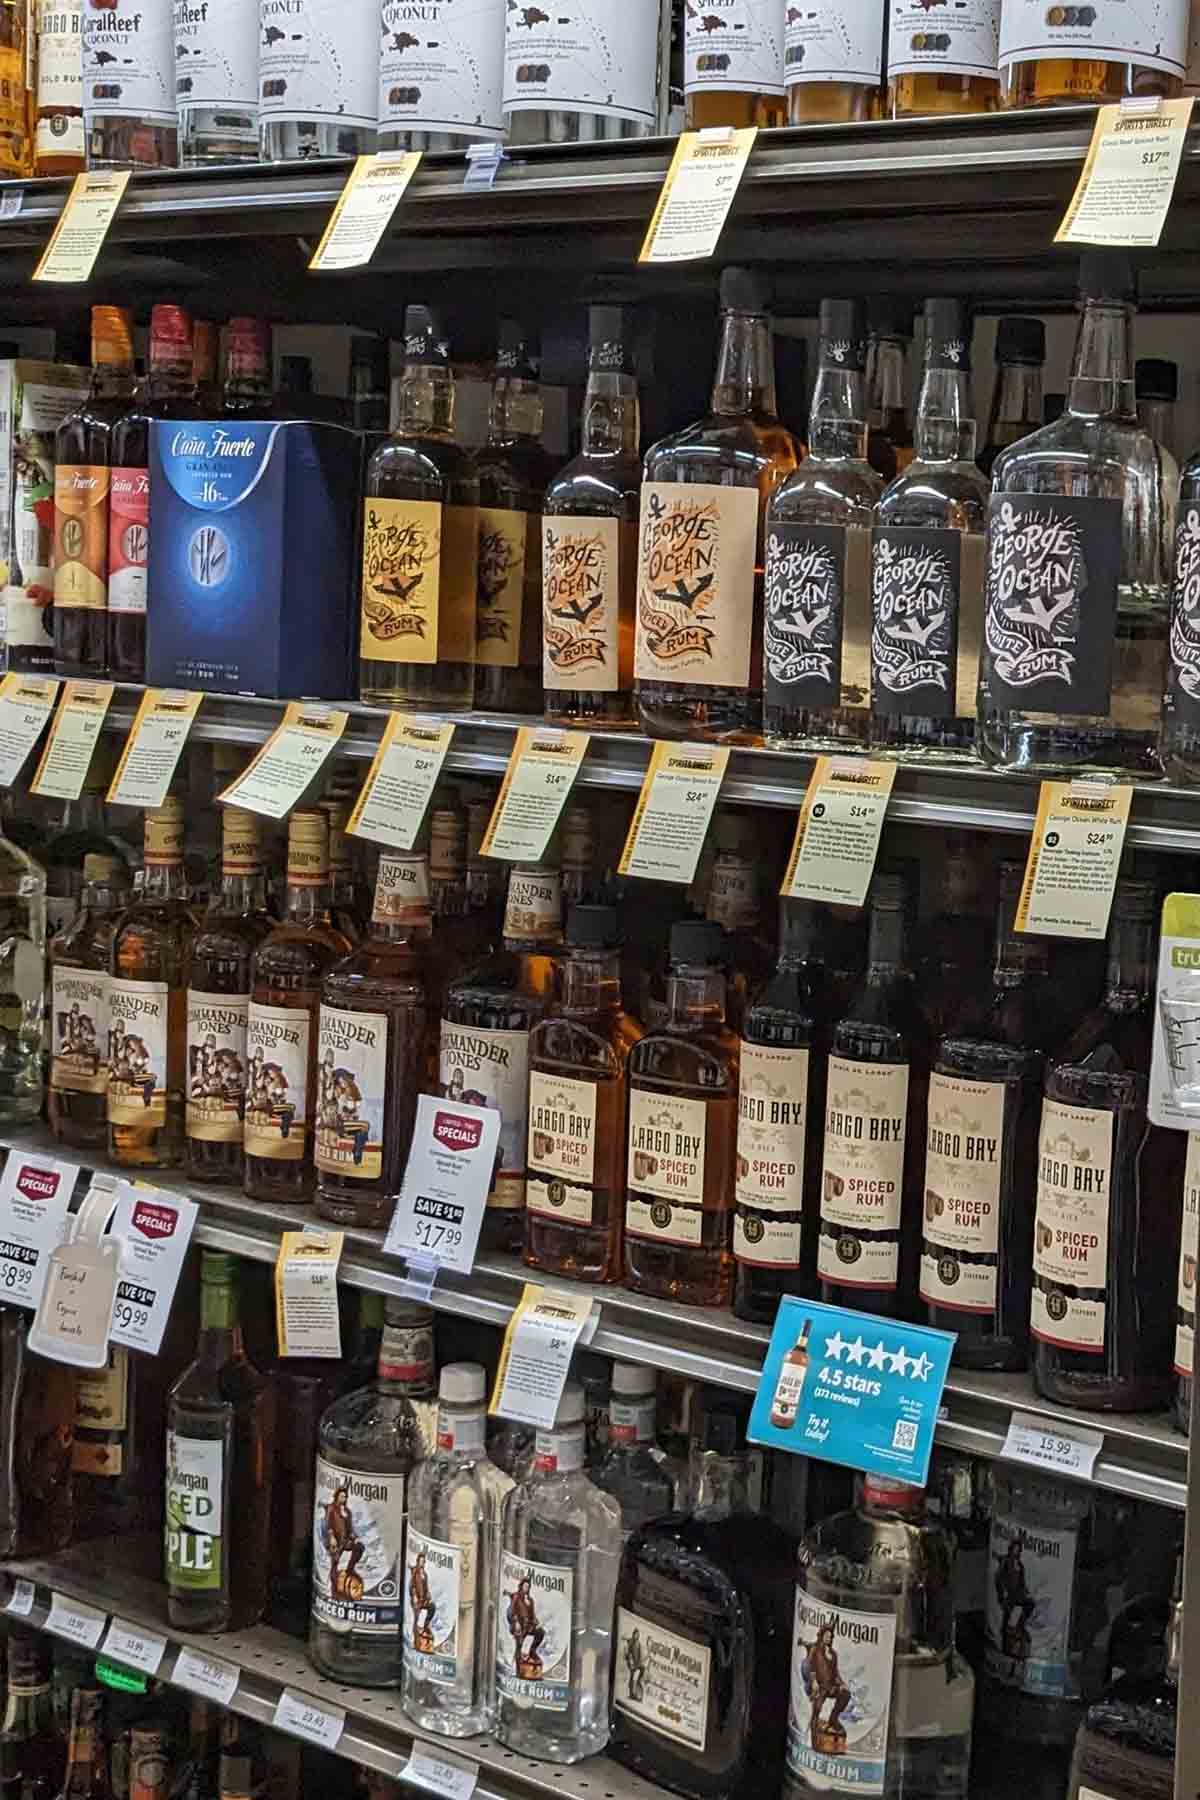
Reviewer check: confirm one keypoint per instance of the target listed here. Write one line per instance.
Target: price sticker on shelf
(838, 832)
(153, 748)
(1066, 1449)
(306, 1296)
(209, 1676)
(136, 1648)
(314, 1720)
(20, 1601)
(154, 1227)
(444, 1193)
(26, 702)
(1128, 181)
(11, 202)
(439, 1773)
(74, 733)
(395, 796)
(535, 1357)
(289, 762)
(701, 186)
(72, 1619)
(364, 209)
(1074, 855)
(674, 810)
(35, 1197)
(82, 226)
(540, 775)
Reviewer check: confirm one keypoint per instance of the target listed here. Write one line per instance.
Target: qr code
(905, 1435)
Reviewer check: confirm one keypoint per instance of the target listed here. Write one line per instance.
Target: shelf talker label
(1128, 180)
(364, 208)
(1074, 855)
(26, 702)
(306, 1297)
(838, 832)
(674, 810)
(74, 733)
(82, 226)
(535, 1357)
(700, 187)
(286, 766)
(395, 797)
(153, 748)
(540, 775)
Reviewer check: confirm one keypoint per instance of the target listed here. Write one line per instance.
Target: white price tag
(20, 1601)
(1128, 181)
(35, 1194)
(364, 209)
(674, 809)
(444, 1192)
(306, 1297)
(289, 762)
(72, 1619)
(26, 702)
(135, 1648)
(395, 796)
(1067, 1449)
(536, 1354)
(207, 1675)
(153, 748)
(540, 775)
(838, 832)
(701, 186)
(11, 202)
(154, 1227)
(67, 756)
(313, 1720)
(1074, 855)
(439, 1773)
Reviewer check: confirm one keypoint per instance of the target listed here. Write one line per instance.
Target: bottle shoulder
(598, 486)
(951, 495)
(1078, 454)
(291, 950)
(827, 492)
(721, 445)
(428, 468)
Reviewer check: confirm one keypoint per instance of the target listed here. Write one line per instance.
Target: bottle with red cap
(164, 393)
(246, 391)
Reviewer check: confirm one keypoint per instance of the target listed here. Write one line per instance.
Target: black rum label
(1053, 564)
(1183, 669)
(916, 574)
(805, 594)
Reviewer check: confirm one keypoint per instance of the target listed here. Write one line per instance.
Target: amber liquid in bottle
(86, 1775)
(37, 1500)
(80, 956)
(928, 94)
(719, 56)
(1080, 81)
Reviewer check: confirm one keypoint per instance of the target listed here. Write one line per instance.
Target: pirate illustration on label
(267, 1100)
(342, 1544)
(1017, 1605)
(528, 1635)
(77, 1047)
(424, 1606)
(1183, 681)
(804, 612)
(338, 1101)
(914, 620)
(635, 1664)
(129, 1063)
(401, 555)
(216, 1076)
(823, 1684)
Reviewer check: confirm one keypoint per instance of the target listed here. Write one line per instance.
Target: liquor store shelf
(1163, 817)
(1142, 1455)
(377, 1733)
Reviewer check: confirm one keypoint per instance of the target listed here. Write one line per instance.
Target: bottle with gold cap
(148, 1004)
(79, 982)
(82, 478)
(218, 1004)
(286, 973)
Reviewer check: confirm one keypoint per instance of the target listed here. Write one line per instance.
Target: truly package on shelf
(252, 576)
(35, 398)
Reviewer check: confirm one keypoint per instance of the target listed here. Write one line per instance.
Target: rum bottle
(951, 70)
(420, 540)
(698, 654)
(220, 1454)
(631, 1467)
(205, 386)
(58, 136)
(1156, 380)
(32, 1752)
(589, 541)
(344, 906)
(147, 1005)
(246, 386)
(22, 984)
(598, 75)
(80, 957)
(683, 1082)
(513, 472)
(314, 102)
(1125, 1746)
(889, 434)
(130, 122)
(733, 66)
(216, 88)
(833, 61)
(1017, 403)
(817, 614)
(1180, 736)
(577, 1104)
(119, 1422)
(37, 1496)
(1189, 1257)
(218, 1004)
(86, 1776)
(1085, 58)
(18, 31)
(286, 973)
(1108, 1194)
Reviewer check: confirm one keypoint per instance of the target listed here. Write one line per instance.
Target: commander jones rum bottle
(77, 1103)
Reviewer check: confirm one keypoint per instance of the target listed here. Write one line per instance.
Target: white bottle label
(79, 1031)
(216, 56)
(662, 1679)
(1029, 1606)
(358, 1532)
(277, 1099)
(771, 1243)
(1189, 1250)
(129, 62)
(436, 1577)
(533, 1635)
(866, 1113)
(597, 56)
(772, 1120)
(319, 60)
(964, 42)
(1070, 1233)
(1153, 33)
(60, 78)
(440, 65)
(137, 1052)
(562, 1147)
(581, 594)
(216, 1065)
(695, 606)
(352, 1078)
(482, 1067)
(836, 40)
(666, 1167)
(840, 1656)
(195, 1512)
(963, 1146)
(734, 46)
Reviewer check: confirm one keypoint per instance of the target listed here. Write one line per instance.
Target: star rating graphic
(877, 1356)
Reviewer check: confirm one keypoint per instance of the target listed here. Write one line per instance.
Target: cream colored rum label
(137, 1053)
(962, 1191)
(581, 589)
(662, 1680)
(277, 1100)
(696, 554)
(79, 1031)
(666, 1167)
(772, 1120)
(1189, 1247)
(485, 1067)
(1070, 1233)
(418, 582)
(866, 1112)
(216, 1066)
(500, 586)
(562, 1147)
(102, 1404)
(352, 1059)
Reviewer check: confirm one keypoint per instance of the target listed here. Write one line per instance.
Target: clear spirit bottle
(1075, 625)
(599, 75)
(1180, 739)
(833, 61)
(130, 122)
(319, 80)
(927, 560)
(817, 580)
(216, 86)
(632, 1468)
(733, 66)
(558, 1570)
(889, 434)
(77, 1105)
(1156, 382)
(1017, 402)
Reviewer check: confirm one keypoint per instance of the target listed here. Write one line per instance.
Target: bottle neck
(462, 1429)
(164, 881)
(837, 421)
(425, 401)
(720, 1485)
(406, 1360)
(308, 903)
(1158, 418)
(886, 362)
(695, 998)
(85, 814)
(517, 411)
(612, 424)
(745, 375)
(168, 378)
(888, 943)
(26, 1707)
(944, 429)
(1102, 370)
(590, 981)
(242, 893)
(220, 1333)
(247, 383)
(632, 1423)
(1018, 398)
(1018, 956)
(801, 939)
(113, 381)
(1129, 976)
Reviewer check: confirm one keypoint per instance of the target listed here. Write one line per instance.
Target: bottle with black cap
(698, 653)
(420, 531)
(927, 557)
(1016, 408)
(817, 611)
(575, 1185)
(1075, 622)
(513, 472)
(889, 434)
(683, 1083)
(589, 541)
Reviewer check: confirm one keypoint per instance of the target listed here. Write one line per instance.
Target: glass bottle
(82, 831)
(781, 1104)
(119, 1424)
(1156, 383)
(205, 387)
(698, 654)
(1189, 1257)
(86, 1775)
(452, 1566)
(950, 70)
(889, 434)
(817, 673)
(82, 477)
(32, 1754)
(560, 1543)
(147, 1004)
(867, 1252)
(22, 983)
(347, 915)
(589, 541)
(37, 1497)
(246, 390)
(371, 1052)
(216, 87)
(927, 561)
(981, 1156)
(683, 1082)
(458, 942)
(1125, 1746)
(1085, 57)
(59, 142)
(599, 75)
(1017, 402)
(218, 1004)
(1180, 732)
(370, 384)
(18, 30)
(954, 979)
(833, 62)
(632, 1468)
(1108, 1193)
(129, 123)
(733, 66)
(286, 972)
(368, 1445)
(449, 97)
(1070, 677)
(487, 1017)
(420, 540)
(577, 1104)
(319, 82)
(220, 1455)
(513, 472)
